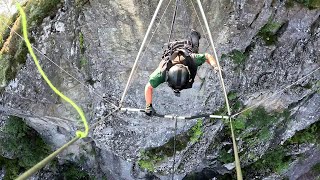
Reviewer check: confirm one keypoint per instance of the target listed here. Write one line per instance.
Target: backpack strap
(174, 49)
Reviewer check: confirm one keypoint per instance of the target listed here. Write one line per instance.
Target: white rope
(204, 32)
(235, 149)
(153, 33)
(46, 57)
(140, 50)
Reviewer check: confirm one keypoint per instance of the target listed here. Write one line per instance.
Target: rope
(45, 161)
(174, 146)
(173, 20)
(46, 57)
(140, 50)
(287, 87)
(153, 33)
(236, 156)
(79, 134)
(204, 32)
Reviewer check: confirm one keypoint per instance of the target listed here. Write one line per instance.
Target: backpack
(171, 52)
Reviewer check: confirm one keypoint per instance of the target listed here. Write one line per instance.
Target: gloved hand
(149, 110)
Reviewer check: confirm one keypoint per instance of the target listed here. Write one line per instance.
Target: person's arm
(148, 91)
(155, 79)
(212, 61)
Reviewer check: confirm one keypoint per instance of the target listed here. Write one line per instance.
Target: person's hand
(149, 111)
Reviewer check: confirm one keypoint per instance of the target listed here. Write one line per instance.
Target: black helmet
(178, 76)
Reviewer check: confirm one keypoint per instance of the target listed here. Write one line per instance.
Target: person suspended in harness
(178, 67)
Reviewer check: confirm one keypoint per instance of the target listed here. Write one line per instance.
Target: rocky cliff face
(263, 46)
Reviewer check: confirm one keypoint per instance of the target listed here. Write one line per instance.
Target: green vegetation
(151, 157)
(276, 160)
(81, 43)
(273, 161)
(196, 131)
(311, 4)
(13, 52)
(308, 135)
(24, 144)
(318, 87)
(73, 172)
(316, 168)
(80, 3)
(238, 57)
(83, 62)
(234, 103)
(225, 157)
(148, 161)
(27, 148)
(254, 126)
(269, 32)
(3, 30)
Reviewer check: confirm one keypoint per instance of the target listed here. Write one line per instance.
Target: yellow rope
(79, 134)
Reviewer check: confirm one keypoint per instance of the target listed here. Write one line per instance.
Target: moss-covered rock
(13, 51)
(150, 158)
(24, 145)
(269, 32)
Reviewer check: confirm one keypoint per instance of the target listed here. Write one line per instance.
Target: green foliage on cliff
(268, 32)
(3, 19)
(308, 135)
(149, 158)
(24, 145)
(273, 161)
(196, 131)
(13, 52)
(238, 57)
(71, 171)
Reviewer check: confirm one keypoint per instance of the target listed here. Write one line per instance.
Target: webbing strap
(235, 149)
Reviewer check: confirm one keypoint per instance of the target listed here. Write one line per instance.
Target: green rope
(79, 134)
(45, 161)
